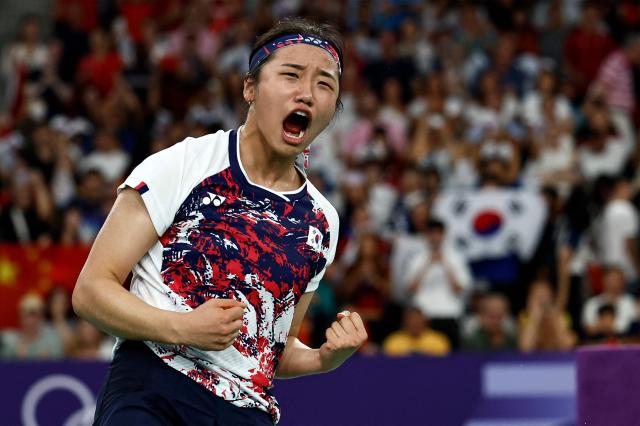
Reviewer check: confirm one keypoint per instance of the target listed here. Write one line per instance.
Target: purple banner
(609, 383)
(463, 389)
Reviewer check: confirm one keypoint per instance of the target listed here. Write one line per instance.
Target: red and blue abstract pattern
(229, 241)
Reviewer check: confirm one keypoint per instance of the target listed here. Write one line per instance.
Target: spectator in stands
(537, 113)
(543, 325)
(89, 206)
(416, 337)
(211, 110)
(412, 45)
(72, 23)
(34, 339)
(366, 284)
(235, 57)
(439, 279)
(23, 61)
(101, 66)
(390, 65)
(511, 76)
(614, 82)
(194, 34)
(623, 305)
(393, 115)
(617, 237)
(28, 54)
(604, 327)
(553, 162)
(494, 331)
(59, 310)
(359, 130)
(88, 343)
(552, 36)
(108, 158)
(26, 218)
(433, 145)
(603, 150)
(474, 33)
(493, 109)
(587, 46)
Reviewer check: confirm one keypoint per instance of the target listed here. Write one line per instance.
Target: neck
(264, 166)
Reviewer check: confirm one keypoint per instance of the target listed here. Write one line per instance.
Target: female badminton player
(227, 241)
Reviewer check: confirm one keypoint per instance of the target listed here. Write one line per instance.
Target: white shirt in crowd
(610, 161)
(625, 307)
(619, 222)
(435, 295)
(531, 109)
(112, 165)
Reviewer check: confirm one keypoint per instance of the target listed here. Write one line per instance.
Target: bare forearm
(455, 284)
(632, 251)
(564, 283)
(529, 336)
(112, 308)
(413, 287)
(299, 360)
(565, 337)
(64, 331)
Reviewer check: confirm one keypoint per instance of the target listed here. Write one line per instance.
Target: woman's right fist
(212, 326)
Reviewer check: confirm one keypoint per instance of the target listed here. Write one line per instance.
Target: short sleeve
(334, 228)
(460, 269)
(625, 219)
(414, 266)
(590, 313)
(159, 180)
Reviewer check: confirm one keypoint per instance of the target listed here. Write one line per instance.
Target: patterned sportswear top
(222, 236)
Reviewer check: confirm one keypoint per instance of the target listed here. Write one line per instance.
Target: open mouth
(295, 124)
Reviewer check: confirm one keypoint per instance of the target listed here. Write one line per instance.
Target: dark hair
(631, 39)
(586, 133)
(295, 25)
(29, 18)
(606, 309)
(613, 268)
(435, 225)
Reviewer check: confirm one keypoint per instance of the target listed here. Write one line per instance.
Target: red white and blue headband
(261, 53)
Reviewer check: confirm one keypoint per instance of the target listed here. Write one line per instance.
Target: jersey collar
(241, 176)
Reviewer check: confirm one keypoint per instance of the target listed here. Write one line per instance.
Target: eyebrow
(302, 68)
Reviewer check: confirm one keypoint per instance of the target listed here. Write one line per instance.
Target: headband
(261, 53)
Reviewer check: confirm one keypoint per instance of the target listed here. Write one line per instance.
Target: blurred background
(484, 165)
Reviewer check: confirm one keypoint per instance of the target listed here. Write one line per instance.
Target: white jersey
(222, 236)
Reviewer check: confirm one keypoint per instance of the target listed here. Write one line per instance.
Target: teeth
(296, 136)
(302, 113)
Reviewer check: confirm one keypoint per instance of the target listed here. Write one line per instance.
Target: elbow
(79, 298)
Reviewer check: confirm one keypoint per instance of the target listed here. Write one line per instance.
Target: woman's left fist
(344, 337)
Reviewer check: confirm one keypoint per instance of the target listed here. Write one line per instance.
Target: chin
(287, 148)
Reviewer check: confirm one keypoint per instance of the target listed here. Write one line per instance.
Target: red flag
(31, 268)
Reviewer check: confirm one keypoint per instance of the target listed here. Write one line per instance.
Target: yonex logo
(214, 199)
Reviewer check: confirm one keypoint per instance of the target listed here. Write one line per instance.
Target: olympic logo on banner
(83, 416)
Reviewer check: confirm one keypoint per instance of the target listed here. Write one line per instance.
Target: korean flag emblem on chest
(314, 239)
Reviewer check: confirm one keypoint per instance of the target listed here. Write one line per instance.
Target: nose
(304, 93)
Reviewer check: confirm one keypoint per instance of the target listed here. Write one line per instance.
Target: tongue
(291, 126)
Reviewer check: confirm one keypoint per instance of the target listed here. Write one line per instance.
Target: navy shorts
(140, 389)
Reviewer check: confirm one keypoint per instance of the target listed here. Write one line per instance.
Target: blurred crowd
(483, 163)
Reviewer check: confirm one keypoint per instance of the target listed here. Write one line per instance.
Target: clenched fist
(212, 326)
(344, 337)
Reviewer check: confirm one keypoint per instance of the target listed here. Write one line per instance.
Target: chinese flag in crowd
(26, 269)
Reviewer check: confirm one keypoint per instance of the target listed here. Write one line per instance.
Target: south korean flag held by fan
(492, 223)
